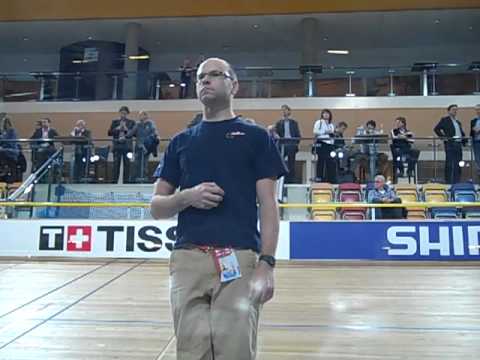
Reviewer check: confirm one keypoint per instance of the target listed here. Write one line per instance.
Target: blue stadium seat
(465, 192)
(444, 213)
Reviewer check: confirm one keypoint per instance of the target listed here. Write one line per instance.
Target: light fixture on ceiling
(139, 57)
(437, 21)
(90, 38)
(325, 38)
(338, 52)
(26, 38)
(256, 26)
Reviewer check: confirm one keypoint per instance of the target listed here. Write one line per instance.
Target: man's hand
(205, 196)
(262, 283)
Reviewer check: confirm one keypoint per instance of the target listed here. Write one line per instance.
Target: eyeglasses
(214, 74)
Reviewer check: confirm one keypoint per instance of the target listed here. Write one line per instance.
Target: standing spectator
(82, 150)
(9, 151)
(475, 135)
(122, 145)
(42, 150)
(324, 130)
(289, 133)
(449, 128)
(145, 133)
(186, 73)
(402, 147)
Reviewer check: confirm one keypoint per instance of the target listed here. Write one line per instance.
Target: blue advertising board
(385, 240)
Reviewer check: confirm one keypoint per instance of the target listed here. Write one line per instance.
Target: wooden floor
(119, 310)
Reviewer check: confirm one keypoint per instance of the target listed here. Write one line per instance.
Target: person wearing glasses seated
(384, 194)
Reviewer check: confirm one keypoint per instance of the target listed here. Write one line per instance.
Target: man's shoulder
(255, 131)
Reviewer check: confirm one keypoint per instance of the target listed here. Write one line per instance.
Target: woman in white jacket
(324, 130)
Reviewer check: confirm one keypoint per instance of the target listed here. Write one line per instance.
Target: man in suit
(82, 149)
(122, 144)
(42, 150)
(289, 132)
(475, 135)
(450, 129)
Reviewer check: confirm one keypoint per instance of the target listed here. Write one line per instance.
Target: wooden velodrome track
(59, 309)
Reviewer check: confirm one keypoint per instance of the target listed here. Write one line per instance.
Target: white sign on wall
(102, 238)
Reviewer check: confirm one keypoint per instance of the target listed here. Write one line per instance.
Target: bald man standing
(221, 267)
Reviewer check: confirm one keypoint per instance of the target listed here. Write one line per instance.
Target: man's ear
(235, 87)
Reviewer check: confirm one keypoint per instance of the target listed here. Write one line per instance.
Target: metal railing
(359, 157)
(420, 79)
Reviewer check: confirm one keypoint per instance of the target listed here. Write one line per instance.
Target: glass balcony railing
(420, 79)
(357, 160)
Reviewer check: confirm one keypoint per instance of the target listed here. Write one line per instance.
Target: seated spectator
(42, 150)
(383, 194)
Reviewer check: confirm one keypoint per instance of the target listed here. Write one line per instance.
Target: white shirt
(323, 131)
(288, 133)
(458, 132)
(45, 133)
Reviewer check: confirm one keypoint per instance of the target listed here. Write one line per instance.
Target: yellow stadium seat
(323, 215)
(416, 213)
(321, 193)
(408, 193)
(436, 196)
(435, 192)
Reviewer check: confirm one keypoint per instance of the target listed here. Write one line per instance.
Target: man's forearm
(269, 227)
(166, 206)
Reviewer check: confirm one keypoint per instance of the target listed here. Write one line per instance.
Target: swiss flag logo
(79, 238)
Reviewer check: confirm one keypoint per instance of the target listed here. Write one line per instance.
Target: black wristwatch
(270, 260)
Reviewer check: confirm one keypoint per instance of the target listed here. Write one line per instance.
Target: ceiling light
(256, 26)
(139, 57)
(90, 38)
(437, 21)
(338, 52)
(325, 38)
(26, 38)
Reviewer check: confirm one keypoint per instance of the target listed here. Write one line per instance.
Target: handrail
(330, 205)
(33, 178)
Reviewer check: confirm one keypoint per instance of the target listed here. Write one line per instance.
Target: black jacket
(473, 122)
(294, 132)
(445, 128)
(120, 139)
(37, 134)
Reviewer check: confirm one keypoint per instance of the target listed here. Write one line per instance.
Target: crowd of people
(360, 160)
(132, 140)
(337, 161)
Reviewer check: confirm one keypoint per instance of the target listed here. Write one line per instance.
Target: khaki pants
(212, 320)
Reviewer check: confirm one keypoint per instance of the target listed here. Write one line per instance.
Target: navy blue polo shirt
(234, 154)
